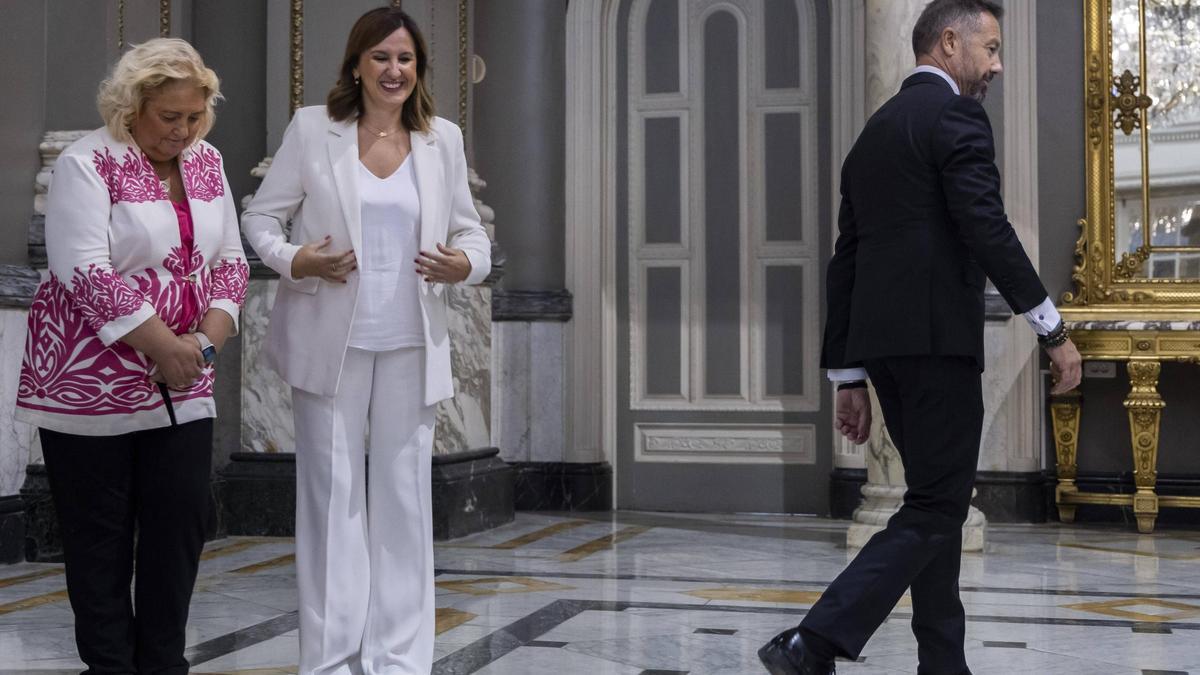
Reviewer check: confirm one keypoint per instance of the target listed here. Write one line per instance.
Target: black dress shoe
(785, 655)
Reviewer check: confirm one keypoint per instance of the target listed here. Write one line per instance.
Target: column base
(472, 492)
(880, 503)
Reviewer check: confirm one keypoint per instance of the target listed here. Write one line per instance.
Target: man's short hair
(940, 14)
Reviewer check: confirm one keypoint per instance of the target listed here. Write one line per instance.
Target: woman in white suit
(382, 219)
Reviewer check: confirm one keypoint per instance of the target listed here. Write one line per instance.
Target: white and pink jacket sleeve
(116, 258)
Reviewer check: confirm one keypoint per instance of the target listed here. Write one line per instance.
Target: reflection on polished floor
(636, 593)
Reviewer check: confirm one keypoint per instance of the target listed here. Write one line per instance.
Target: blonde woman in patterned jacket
(146, 279)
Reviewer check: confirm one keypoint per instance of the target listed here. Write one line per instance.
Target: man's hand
(1065, 367)
(853, 418)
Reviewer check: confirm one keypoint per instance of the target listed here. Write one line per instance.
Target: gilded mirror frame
(1114, 103)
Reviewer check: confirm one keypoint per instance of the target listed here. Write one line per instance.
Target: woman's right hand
(180, 362)
(312, 261)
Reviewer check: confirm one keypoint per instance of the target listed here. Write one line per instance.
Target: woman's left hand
(444, 266)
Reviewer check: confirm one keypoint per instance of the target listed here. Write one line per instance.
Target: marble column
(889, 58)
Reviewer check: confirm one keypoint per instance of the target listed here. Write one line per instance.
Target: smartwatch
(206, 348)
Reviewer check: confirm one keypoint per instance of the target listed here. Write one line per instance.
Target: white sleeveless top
(388, 314)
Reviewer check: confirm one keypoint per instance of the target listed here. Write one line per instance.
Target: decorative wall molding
(755, 251)
(296, 57)
(531, 305)
(726, 443)
(590, 244)
(848, 114)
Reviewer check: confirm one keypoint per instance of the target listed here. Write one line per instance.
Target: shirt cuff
(1043, 318)
(121, 326)
(229, 307)
(846, 374)
(480, 268)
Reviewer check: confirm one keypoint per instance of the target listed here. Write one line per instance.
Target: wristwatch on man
(206, 348)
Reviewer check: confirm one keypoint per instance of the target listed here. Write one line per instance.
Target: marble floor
(638, 593)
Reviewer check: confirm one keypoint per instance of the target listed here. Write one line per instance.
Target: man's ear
(950, 41)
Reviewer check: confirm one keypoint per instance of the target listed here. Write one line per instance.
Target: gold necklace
(378, 133)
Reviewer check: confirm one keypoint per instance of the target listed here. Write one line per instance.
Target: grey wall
(1104, 444)
(519, 135)
(231, 36)
(23, 72)
(1060, 139)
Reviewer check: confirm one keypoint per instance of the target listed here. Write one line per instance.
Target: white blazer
(312, 183)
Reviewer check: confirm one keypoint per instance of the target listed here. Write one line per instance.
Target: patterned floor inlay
(497, 585)
(449, 618)
(627, 594)
(605, 543)
(32, 576)
(1150, 610)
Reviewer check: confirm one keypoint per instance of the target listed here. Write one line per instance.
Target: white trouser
(366, 583)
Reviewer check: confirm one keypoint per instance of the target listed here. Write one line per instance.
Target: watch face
(210, 354)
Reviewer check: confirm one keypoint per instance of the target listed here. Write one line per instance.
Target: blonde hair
(145, 68)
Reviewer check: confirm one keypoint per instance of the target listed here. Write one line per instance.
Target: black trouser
(933, 408)
(105, 487)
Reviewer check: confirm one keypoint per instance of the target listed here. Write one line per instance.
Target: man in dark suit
(921, 224)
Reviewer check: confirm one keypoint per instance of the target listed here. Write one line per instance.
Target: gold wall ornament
(1131, 264)
(462, 66)
(164, 18)
(120, 26)
(1095, 100)
(1079, 271)
(1129, 103)
(296, 58)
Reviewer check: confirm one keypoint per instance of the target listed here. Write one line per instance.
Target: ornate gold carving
(1129, 102)
(296, 57)
(164, 18)
(462, 66)
(1094, 100)
(1130, 265)
(1145, 406)
(1079, 272)
(1064, 414)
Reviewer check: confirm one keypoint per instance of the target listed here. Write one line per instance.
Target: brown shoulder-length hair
(345, 100)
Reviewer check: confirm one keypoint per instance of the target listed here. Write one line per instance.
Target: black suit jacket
(921, 223)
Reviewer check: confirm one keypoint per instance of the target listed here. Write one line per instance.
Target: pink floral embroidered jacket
(116, 258)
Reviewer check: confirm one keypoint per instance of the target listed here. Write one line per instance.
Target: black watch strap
(852, 384)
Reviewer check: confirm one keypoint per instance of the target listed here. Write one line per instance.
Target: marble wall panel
(464, 422)
(510, 389)
(266, 399)
(18, 446)
(529, 390)
(547, 392)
